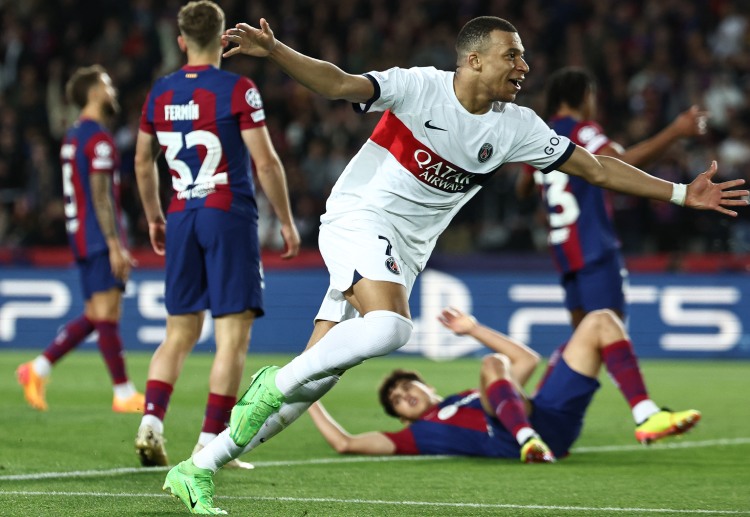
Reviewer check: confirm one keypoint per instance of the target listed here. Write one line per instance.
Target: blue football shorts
(212, 262)
(599, 285)
(96, 274)
(560, 406)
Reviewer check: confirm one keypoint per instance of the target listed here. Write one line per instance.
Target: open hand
(457, 321)
(249, 40)
(704, 194)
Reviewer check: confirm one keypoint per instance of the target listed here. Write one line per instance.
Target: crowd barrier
(670, 315)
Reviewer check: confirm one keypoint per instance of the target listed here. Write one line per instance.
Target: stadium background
(652, 59)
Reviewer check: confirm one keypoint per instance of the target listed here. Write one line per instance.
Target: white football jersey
(428, 157)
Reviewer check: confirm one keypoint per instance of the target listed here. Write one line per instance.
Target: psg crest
(485, 153)
(392, 266)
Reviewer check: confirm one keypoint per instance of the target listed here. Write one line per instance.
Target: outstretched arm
(320, 76)
(374, 443)
(523, 359)
(614, 174)
(689, 123)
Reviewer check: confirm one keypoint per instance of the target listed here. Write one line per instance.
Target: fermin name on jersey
(189, 111)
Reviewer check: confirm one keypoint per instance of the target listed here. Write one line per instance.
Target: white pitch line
(373, 502)
(367, 459)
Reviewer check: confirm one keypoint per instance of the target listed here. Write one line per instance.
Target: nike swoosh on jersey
(430, 126)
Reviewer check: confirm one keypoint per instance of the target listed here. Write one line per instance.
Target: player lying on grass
(498, 420)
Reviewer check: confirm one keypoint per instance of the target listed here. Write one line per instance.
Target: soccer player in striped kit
(209, 124)
(498, 420)
(581, 236)
(443, 134)
(91, 185)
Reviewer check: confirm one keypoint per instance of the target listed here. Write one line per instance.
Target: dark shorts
(96, 275)
(599, 285)
(212, 262)
(560, 406)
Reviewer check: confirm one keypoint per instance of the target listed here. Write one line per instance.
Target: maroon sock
(157, 398)
(622, 366)
(218, 410)
(110, 346)
(509, 406)
(71, 335)
(553, 360)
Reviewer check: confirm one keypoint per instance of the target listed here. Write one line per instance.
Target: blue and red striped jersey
(456, 426)
(197, 114)
(580, 217)
(87, 149)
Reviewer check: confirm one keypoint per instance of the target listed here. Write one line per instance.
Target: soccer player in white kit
(443, 134)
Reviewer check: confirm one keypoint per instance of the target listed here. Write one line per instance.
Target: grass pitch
(78, 458)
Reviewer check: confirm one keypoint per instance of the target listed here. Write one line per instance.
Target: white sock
(204, 438)
(643, 410)
(345, 345)
(524, 434)
(42, 367)
(124, 390)
(156, 424)
(222, 449)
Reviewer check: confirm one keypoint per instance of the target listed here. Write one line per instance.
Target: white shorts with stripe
(354, 250)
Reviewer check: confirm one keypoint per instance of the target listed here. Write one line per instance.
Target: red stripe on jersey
(404, 441)
(424, 163)
(240, 106)
(573, 249)
(221, 198)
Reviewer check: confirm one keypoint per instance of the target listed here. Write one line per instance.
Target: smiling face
(502, 67)
(410, 399)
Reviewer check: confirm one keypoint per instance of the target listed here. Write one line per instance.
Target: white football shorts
(360, 249)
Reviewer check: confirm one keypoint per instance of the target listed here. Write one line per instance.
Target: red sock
(110, 346)
(553, 360)
(218, 410)
(71, 335)
(509, 406)
(622, 366)
(157, 398)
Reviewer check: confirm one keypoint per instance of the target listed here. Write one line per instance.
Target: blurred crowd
(652, 59)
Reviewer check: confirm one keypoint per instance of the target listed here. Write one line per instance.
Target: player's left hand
(704, 194)
(157, 232)
(457, 321)
(291, 238)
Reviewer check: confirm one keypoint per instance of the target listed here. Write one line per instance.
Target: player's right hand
(249, 40)
(121, 262)
(291, 238)
(157, 232)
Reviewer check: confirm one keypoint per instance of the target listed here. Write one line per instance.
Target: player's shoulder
(519, 115)
(586, 131)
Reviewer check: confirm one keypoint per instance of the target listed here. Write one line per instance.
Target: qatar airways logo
(440, 174)
(189, 111)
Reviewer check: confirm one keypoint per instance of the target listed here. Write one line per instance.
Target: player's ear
(474, 61)
(181, 43)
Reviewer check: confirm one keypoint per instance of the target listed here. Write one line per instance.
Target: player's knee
(389, 330)
(494, 367)
(601, 320)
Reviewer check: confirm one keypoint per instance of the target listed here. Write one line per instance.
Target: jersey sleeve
(404, 441)
(146, 125)
(590, 136)
(392, 88)
(537, 145)
(247, 104)
(101, 154)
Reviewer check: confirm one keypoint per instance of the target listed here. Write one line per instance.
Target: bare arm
(321, 77)
(614, 174)
(344, 443)
(689, 123)
(146, 152)
(273, 181)
(523, 359)
(119, 258)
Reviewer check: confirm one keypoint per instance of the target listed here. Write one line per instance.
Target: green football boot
(261, 400)
(194, 487)
(666, 423)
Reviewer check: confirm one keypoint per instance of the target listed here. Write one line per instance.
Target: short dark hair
(475, 33)
(78, 86)
(389, 384)
(202, 22)
(568, 85)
